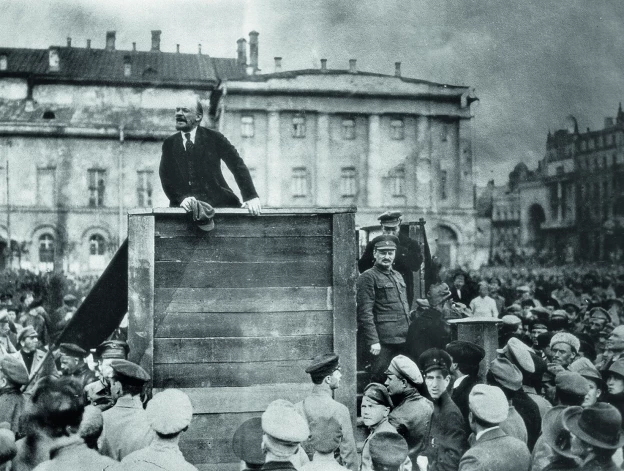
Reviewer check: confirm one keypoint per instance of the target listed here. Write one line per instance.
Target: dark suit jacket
(460, 398)
(465, 295)
(209, 150)
(494, 451)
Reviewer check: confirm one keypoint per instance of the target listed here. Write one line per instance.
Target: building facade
(81, 131)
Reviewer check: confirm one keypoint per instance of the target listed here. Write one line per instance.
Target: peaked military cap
(324, 364)
(385, 241)
(379, 393)
(14, 370)
(390, 218)
(73, 350)
(387, 449)
(403, 367)
(129, 370)
(465, 352)
(599, 312)
(27, 332)
(113, 349)
(434, 359)
(247, 441)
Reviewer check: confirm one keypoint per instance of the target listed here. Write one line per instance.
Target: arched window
(46, 252)
(97, 249)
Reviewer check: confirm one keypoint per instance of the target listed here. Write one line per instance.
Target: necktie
(189, 143)
(189, 160)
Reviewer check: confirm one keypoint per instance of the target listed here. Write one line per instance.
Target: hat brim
(571, 418)
(208, 226)
(552, 428)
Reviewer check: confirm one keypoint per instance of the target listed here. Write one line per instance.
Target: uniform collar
(482, 432)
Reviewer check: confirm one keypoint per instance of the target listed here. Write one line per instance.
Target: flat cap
(129, 370)
(69, 299)
(488, 403)
(170, 411)
(572, 383)
(325, 435)
(14, 370)
(514, 308)
(559, 313)
(403, 367)
(523, 289)
(385, 241)
(27, 332)
(581, 363)
(506, 373)
(510, 319)
(541, 313)
(390, 218)
(519, 353)
(113, 349)
(599, 312)
(387, 449)
(282, 421)
(434, 359)
(617, 367)
(324, 364)
(378, 393)
(247, 441)
(73, 350)
(566, 337)
(465, 352)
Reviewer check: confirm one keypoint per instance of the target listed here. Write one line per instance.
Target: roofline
(37, 79)
(345, 94)
(61, 130)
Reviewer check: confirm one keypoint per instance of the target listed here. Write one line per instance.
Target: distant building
(81, 130)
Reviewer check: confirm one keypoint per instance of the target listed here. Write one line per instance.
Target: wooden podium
(482, 331)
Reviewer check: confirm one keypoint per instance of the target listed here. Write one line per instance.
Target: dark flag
(432, 267)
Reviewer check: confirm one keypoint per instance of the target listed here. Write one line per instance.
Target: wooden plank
(345, 323)
(141, 290)
(242, 274)
(265, 211)
(249, 249)
(234, 350)
(236, 226)
(247, 399)
(303, 298)
(191, 375)
(244, 324)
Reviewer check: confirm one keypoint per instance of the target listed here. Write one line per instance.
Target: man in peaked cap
(13, 376)
(98, 392)
(564, 348)
(73, 364)
(32, 357)
(388, 451)
(492, 448)
(466, 357)
(284, 430)
(319, 407)
(412, 412)
(126, 425)
(446, 436)
(376, 405)
(408, 256)
(170, 413)
(382, 308)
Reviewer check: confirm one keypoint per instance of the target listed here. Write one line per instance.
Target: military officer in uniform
(408, 256)
(284, 430)
(98, 392)
(319, 406)
(376, 405)
(382, 308)
(73, 364)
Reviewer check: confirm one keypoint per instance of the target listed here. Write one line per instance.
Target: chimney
(253, 50)
(127, 66)
(134, 46)
(241, 51)
(278, 64)
(323, 65)
(156, 39)
(110, 40)
(54, 61)
(199, 48)
(397, 69)
(608, 123)
(4, 63)
(352, 67)
(178, 48)
(88, 44)
(68, 41)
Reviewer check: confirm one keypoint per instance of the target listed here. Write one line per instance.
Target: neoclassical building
(81, 130)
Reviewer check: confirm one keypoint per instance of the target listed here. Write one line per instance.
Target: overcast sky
(532, 62)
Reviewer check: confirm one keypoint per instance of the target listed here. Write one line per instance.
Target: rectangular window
(299, 182)
(397, 127)
(46, 180)
(348, 181)
(97, 186)
(299, 126)
(247, 126)
(348, 128)
(145, 188)
(444, 132)
(397, 182)
(443, 183)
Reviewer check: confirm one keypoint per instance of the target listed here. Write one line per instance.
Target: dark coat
(460, 398)
(411, 419)
(530, 413)
(465, 295)
(12, 403)
(427, 330)
(446, 440)
(382, 310)
(278, 465)
(407, 260)
(494, 451)
(208, 185)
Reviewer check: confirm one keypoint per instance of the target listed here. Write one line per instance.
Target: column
(453, 186)
(323, 161)
(274, 173)
(374, 183)
(423, 163)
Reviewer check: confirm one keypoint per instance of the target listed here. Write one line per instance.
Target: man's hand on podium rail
(254, 206)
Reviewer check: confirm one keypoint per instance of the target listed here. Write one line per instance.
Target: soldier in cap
(284, 430)
(13, 376)
(32, 358)
(388, 451)
(73, 364)
(319, 407)
(408, 256)
(325, 440)
(412, 413)
(126, 425)
(170, 413)
(247, 444)
(98, 392)
(466, 357)
(382, 308)
(446, 438)
(376, 405)
(492, 449)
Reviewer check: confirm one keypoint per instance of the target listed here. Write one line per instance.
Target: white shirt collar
(458, 381)
(479, 434)
(192, 132)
